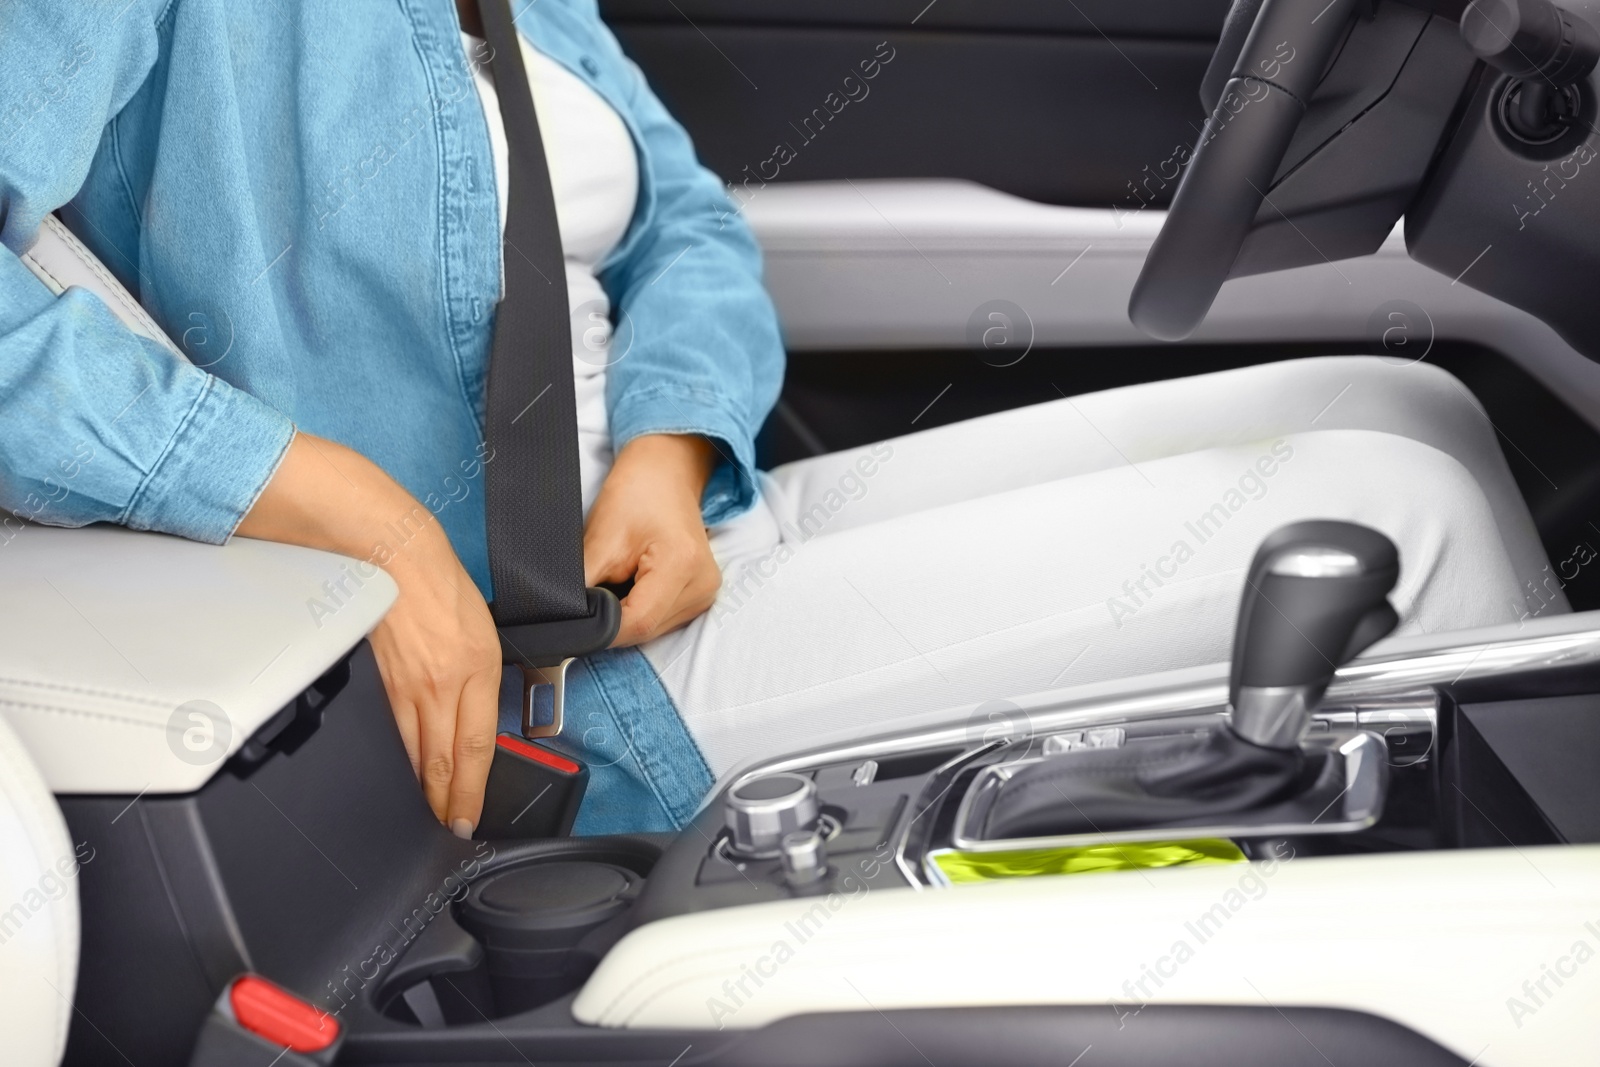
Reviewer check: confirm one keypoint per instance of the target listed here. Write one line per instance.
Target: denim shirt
(302, 195)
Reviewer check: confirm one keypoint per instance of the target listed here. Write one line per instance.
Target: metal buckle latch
(530, 646)
(544, 693)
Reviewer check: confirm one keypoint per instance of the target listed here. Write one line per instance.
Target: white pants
(1086, 539)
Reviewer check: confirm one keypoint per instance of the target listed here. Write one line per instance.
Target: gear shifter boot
(1192, 779)
(1314, 597)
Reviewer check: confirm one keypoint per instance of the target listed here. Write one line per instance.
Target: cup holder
(532, 922)
(521, 937)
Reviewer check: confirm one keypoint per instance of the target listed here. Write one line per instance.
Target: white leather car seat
(70, 724)
(38, 912)
(61, 261)
(39, 928)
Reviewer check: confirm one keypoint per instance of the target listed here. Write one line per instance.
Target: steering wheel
(1285, 50)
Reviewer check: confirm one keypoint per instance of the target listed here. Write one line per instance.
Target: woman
(311, 198)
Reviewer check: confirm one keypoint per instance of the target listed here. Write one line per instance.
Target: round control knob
(805, 858)
(759, 812)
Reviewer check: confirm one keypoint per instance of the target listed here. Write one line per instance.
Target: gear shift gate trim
(1346, 802)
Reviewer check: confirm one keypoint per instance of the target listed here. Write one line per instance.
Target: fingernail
(461, 828)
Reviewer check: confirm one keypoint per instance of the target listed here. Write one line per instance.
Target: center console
(1179, 784)
(1435, 770)
(1440, 774)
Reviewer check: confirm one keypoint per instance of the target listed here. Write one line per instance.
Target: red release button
(281, 1017)
(537, 753)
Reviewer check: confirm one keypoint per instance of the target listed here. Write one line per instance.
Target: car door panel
(1065, 104)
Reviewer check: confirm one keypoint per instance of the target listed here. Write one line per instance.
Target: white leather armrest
(108, 636)
(1439, 942)
(136, 663)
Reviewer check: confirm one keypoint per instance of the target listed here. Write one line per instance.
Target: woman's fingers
(671, 588)
(405, 712)
(436, 649)
(651, 602)
(440, 660)
(405, 718)
(605, 557)
(477, 719)
(437, 734)
(646, 526)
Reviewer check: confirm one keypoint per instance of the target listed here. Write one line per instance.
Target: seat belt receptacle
(533, 792)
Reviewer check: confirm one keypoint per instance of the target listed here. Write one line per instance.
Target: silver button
(1105, 737)
(805, 857)
(1056, 744)
(1099, 737)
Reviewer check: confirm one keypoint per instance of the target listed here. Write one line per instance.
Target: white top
(594, 174)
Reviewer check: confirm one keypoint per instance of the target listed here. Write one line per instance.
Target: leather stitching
(91, 263)
(83, 690)
(39, 268)
(107, 716)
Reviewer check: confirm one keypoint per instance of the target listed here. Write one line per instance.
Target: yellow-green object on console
(962, 867)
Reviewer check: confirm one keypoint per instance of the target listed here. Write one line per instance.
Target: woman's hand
(645, 525)
(437, 649)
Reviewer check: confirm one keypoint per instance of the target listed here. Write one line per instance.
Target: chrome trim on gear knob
(1315, 561)
(1274, 716)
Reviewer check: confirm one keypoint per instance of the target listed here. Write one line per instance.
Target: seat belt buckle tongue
(544, 691)
(544, 651)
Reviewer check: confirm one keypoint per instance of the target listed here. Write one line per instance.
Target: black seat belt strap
(534, 494)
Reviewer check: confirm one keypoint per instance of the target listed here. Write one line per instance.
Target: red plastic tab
(537, 753)
(280, 1017)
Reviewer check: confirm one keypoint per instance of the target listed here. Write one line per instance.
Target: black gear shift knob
(1315, 596)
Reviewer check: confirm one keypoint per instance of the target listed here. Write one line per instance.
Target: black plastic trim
(1121, 1034)
(1170, 19)
(546, 644)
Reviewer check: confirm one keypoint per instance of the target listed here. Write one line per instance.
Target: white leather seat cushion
(38, 913)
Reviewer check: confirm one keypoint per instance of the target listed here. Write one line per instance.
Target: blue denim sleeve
(705, 355)
(96, 423)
